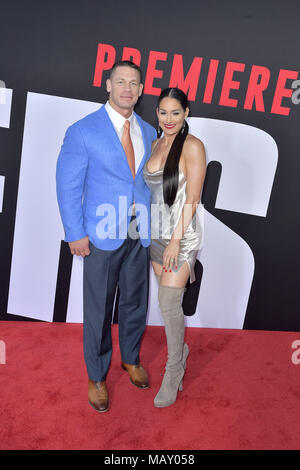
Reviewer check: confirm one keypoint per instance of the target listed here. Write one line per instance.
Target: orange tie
(128, 147)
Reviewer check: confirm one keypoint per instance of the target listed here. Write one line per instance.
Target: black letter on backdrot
(209, 196)
(63, 283)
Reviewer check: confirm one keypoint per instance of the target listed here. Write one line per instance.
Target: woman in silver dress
(175, 174)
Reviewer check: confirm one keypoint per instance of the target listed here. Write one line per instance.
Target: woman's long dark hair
(171, 169)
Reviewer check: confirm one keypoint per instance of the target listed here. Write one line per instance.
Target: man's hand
(80, 247)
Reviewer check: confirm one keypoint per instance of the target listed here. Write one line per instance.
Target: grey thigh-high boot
(170, 305)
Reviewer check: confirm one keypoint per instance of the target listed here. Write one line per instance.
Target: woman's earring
(183, 127)
(159, 131)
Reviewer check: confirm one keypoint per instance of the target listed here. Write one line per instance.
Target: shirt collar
(117, 118)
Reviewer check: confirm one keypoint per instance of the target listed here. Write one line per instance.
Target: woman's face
(171, 115)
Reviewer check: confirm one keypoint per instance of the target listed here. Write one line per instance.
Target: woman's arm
(195, 167)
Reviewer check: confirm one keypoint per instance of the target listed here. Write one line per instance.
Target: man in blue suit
(105, 209)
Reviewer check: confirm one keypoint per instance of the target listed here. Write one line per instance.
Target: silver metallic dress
(164, 220)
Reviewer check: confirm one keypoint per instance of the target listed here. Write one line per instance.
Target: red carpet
(241, 391)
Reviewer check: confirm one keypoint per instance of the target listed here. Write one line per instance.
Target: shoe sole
(164, 406)
(99, 411)
(138, 386)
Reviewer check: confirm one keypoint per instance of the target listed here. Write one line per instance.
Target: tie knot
(127, 124)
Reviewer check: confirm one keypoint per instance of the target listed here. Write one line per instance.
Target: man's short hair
(126, 63)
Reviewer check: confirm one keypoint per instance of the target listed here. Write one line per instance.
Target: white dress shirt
(135, 132)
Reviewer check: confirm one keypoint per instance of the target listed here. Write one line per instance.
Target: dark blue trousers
(128, 268)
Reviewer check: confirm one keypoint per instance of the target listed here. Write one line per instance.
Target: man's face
(124, 88)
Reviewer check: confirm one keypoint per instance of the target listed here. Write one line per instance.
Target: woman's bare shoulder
(192, 142)
(193, 148)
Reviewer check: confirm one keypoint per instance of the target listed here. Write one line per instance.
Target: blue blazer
(95, 187)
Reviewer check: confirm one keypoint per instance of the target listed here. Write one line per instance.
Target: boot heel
(185, 355)
(180, 388)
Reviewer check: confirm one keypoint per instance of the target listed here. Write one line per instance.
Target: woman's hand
(170, 256)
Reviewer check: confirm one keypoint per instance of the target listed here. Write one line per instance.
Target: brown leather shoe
(138, 375)
(98, 396)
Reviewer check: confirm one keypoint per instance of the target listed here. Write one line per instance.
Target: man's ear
(108, 85)
(141, 89)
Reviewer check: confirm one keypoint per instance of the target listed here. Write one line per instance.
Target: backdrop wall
(239, 66)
